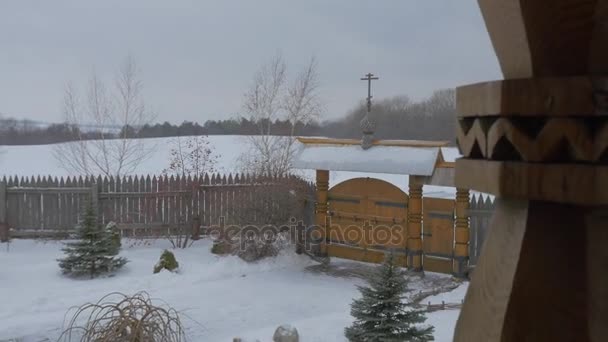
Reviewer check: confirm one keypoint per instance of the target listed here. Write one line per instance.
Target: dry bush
(261, 221)
(120, 318)
(275, 201)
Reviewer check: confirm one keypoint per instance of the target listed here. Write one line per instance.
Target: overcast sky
(197, 57)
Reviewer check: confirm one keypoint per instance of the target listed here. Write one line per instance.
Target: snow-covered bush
(95, 251)
(251, 244)
(114, 232)
(221, 247)
(286, 333)
(261, 245)
(381, 315)
(167, 262)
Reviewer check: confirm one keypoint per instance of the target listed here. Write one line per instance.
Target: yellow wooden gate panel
(368, 216)
(438, 234)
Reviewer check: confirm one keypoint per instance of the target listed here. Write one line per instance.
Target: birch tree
(272, 96)
(118, 107)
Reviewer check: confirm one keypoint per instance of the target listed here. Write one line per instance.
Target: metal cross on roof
(368, 126)
(369, 78)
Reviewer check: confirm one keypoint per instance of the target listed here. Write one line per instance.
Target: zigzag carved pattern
(467, 140)
(559, 139)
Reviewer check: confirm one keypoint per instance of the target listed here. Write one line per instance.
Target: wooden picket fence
(40, 206)
(481, 208)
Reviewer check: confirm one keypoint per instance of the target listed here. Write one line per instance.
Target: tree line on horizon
(397, 118)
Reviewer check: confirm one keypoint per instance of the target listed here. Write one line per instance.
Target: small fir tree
(381, 314)
(95, 251)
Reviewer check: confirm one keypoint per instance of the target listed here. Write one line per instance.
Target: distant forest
(397, 118)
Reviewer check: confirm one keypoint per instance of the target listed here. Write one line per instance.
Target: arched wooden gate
(368, 216)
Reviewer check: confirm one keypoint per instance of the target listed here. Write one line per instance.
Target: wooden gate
(368, 216)
(438, 234)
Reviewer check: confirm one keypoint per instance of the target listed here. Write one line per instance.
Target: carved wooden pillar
(539, 141)
(414, 225)
(461, 234)
(321, 208)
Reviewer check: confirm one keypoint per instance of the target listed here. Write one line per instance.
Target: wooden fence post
(3, 221)
(414, 226)
(196, 228)
(461, 234)
(321, 208)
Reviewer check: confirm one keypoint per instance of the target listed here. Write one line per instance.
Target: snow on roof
(390, 158)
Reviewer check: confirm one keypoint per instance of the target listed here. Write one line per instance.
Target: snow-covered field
(39, 160)
(220, 297)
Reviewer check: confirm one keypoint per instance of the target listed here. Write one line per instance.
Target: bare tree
(442, 102)
(121, 108)
(192, 156)
(272, 97)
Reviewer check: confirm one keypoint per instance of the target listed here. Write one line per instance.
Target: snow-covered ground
(219, 297)
(39, 160)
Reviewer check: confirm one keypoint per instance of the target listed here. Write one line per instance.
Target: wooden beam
(531, 97)
(4, 229)
(564, 183)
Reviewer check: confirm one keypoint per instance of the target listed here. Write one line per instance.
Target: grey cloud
(197, 57)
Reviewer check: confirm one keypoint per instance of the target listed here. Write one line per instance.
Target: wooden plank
(61, 204)
(207, 198)
(564, 183)
(47, 210)
(129, 200)
(539, 38)
(486, 301)
(148, 201)
(213, 191)
(533, 97)
(139, 184)
(94, 200)
(437, 264)
(121, 214)
(360, 254)
(3, 203)
(361, 217)
(438, 234)
(167, 214)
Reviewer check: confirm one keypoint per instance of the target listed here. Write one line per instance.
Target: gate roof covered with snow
(406, 157)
